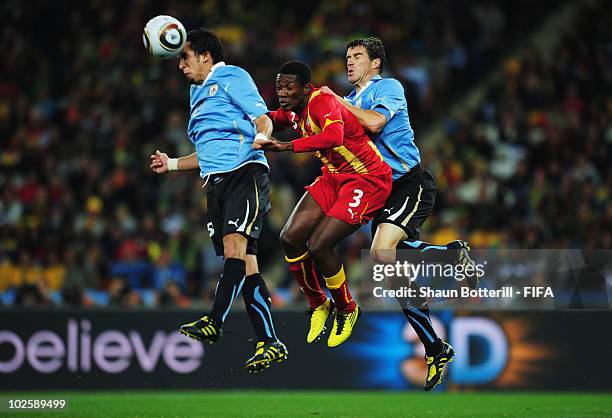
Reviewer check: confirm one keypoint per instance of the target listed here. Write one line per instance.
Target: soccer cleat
(436, 366)
(464, 259)
(266, 354)
(317, 318)
(344, 322)
(204, 329)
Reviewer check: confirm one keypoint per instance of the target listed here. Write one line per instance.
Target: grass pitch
(317, 404)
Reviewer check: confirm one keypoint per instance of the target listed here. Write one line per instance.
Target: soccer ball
(164, 36)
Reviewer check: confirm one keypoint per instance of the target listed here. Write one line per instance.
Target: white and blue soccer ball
(164, 36)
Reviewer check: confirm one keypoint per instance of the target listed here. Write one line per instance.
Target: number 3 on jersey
(356, 202)
(357, 198)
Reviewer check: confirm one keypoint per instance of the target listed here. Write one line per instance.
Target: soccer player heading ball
(353, 187)
(227, 111)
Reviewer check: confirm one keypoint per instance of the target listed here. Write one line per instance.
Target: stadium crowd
(84, 222)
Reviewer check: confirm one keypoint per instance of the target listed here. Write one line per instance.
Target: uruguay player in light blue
(390, 128)
(380, 105)
(226, 115)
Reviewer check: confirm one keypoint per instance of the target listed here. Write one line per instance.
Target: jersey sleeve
(239, 85)
(389, 97)
(326, 113)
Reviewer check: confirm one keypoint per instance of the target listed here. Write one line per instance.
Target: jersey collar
(212, 70)
(373, 79)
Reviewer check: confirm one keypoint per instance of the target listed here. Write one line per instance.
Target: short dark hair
(374, 47)
(297, 68)
(203, 40)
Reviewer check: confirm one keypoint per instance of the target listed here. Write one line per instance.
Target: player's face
(289, 91)
(194, 67)
(358, 64)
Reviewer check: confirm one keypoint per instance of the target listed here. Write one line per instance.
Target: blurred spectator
(171, 296)
(31, 295)
(73, 296)
(122, 295)
(165, 271)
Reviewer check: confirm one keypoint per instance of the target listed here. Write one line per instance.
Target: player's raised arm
(161, 163)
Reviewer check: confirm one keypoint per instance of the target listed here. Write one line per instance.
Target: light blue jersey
(221, 125)
(396, 140)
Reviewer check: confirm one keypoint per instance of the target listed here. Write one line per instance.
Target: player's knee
(382, 256)
(385, 242)
(289, 238)
(234, 246)
(233, 252)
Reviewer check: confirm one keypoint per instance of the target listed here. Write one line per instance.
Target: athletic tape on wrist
(172, 164)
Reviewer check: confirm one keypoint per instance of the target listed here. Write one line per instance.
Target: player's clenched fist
(159, 162)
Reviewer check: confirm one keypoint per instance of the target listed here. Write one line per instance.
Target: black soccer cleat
(266, 353)
(205, 329)
(436, 366)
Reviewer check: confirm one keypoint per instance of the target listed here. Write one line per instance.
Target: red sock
(305, 273)
(343, 298)
(338, 287)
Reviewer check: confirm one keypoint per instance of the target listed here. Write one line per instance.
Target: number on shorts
(357, 198)
(211, 230)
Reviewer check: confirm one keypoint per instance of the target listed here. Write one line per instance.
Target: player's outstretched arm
(371, 120)
(271, 144)
(161, 163)
(264, 141)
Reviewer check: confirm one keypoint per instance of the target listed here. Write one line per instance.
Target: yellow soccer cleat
(344, 322)
(436, 366)
(318, 317)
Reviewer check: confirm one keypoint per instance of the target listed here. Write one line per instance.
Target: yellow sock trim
(335, 281)
(305, 275)
(295, 260)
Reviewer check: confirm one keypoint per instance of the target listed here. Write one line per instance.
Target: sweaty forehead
(286, 78)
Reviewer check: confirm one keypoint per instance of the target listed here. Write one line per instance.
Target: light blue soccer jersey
(396, 140)
(221, 125)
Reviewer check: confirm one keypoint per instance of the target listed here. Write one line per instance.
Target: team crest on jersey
(213, 90)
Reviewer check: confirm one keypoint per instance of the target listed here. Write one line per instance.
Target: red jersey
(334, 134)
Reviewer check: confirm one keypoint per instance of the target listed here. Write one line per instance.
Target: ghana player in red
(353, 187)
